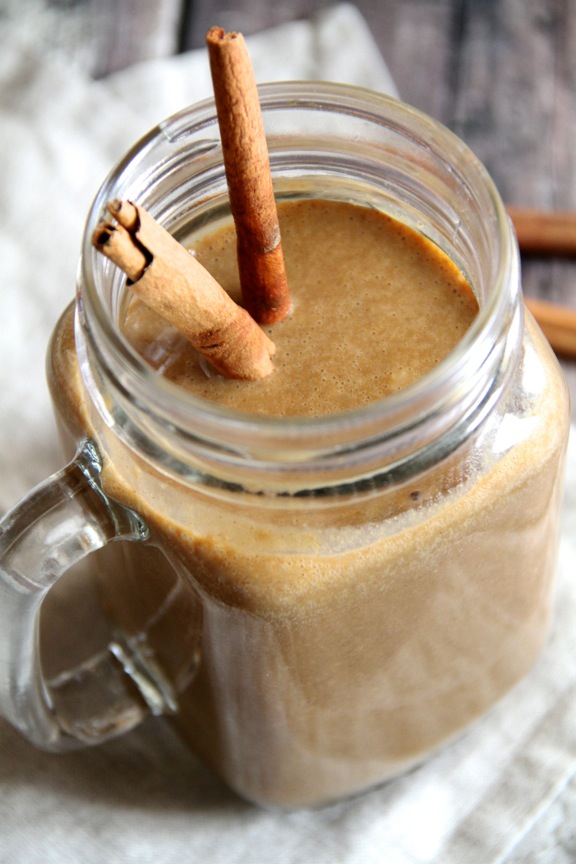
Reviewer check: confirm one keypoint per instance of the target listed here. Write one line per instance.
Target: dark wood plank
(246, 16)
(506, 96)
(416, 38)
(515, 105)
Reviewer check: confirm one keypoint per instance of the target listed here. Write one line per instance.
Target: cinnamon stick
(265, 292)
(558, 323)
(544, 232)
(173, 283)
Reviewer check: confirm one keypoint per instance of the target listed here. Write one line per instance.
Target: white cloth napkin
(497, 795)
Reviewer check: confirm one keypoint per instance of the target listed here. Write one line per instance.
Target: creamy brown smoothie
(342, 642)
(375, 307)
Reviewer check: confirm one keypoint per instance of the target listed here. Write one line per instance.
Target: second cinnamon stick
(558, 323)
(544, 232)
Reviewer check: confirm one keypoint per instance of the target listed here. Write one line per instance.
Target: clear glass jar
(317, 603)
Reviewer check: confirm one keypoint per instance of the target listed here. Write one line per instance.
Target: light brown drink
(342, 642)
(375, 307)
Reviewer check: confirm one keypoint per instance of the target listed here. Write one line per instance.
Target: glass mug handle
(56, 526)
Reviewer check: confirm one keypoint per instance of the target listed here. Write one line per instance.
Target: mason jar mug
(317, 603)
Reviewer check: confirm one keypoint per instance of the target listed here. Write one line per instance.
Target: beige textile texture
(504, 792)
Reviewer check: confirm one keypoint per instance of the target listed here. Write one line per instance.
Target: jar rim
(198, 419)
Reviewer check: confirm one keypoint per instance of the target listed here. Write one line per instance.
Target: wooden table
(500, 73)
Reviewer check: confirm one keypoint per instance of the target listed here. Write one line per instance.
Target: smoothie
(344, 640)
(375, 307)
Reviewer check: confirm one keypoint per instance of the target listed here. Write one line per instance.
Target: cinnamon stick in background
(544, 232)
(173, 283)
(558, 324)
(549, 232)
(265, 292)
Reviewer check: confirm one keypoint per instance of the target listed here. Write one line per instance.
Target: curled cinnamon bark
(173, 283)
(263, 281)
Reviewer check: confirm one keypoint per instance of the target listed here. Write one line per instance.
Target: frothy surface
(375, 307)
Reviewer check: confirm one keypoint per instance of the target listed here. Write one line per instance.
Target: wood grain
(246, 16)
